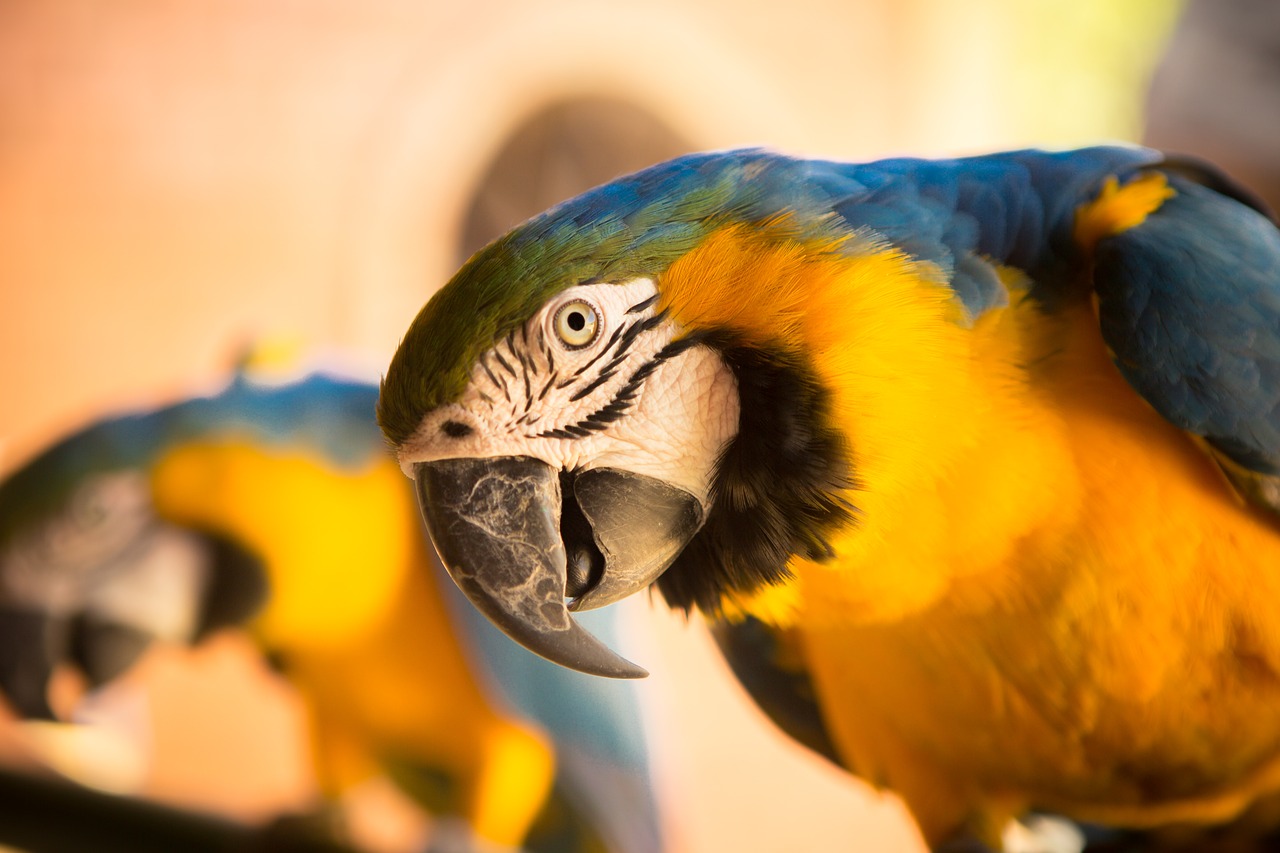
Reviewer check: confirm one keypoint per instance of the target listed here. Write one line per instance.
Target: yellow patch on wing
(1119, 208)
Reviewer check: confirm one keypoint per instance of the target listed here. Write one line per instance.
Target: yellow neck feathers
(921, 398)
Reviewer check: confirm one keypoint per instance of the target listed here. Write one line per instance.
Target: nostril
(455, 429)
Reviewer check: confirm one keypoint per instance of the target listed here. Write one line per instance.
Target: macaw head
(92, 572)
(90, 576)
(604, 398)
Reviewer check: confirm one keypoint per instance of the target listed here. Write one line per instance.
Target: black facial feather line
(528, 389)
(603, 377)
(551, 380)
(623, 336)
(643, 304)
(613, 339)
(485, 364)
(625, 396)
(503, 362)
(629, 334)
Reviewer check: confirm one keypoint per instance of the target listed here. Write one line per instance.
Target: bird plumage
(977, 487)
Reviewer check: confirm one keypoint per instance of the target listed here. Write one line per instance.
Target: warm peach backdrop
(178, 179)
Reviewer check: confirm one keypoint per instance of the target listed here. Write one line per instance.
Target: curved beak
(518, 537)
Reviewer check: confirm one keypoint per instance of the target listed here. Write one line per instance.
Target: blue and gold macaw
(281, 503)
(974, 463)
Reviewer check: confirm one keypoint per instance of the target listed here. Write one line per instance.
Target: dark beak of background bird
(520, 537)
(28, 654)
(33, 643)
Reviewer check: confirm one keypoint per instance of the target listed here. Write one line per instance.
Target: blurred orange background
(179, 180)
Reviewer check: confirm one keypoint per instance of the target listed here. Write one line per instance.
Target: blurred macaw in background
(279, 506)
(974, 464)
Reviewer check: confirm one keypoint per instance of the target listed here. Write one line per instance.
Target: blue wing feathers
(1014, 208)
(1189, 303)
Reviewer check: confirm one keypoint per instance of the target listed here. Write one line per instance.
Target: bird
(165, 525)
(972, 464)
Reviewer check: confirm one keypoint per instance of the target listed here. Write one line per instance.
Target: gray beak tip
(30, 648)
(623, 669)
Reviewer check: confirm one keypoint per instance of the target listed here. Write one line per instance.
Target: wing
(1185, 264)
(1189, 305)
(766, 662)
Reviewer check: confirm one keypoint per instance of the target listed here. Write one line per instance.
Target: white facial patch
(597, 378)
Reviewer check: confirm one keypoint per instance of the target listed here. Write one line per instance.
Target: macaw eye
(577, 323)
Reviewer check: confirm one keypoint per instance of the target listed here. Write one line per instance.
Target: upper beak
(518, 537)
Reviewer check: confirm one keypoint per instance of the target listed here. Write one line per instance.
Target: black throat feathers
(779, 488)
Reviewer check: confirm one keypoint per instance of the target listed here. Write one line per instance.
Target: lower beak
(518, 537)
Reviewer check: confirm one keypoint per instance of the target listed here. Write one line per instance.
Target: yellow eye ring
(577, 323)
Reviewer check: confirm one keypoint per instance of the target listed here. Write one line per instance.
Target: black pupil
(576, 320)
